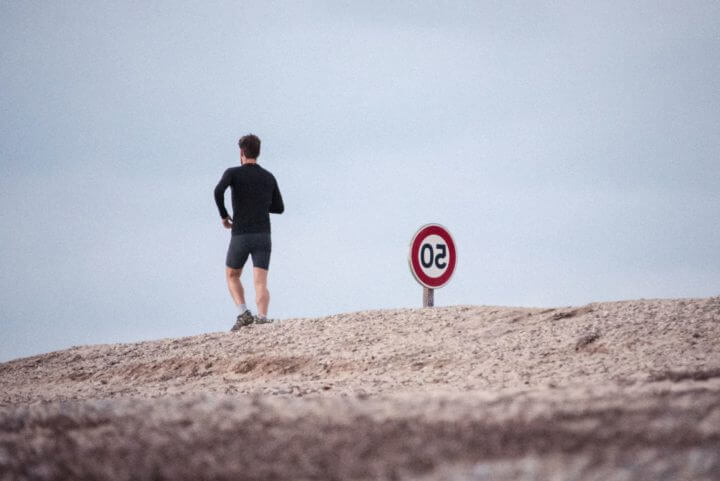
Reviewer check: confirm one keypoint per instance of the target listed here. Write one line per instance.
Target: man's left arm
(220, 198)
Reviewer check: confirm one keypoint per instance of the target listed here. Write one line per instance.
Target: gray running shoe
(244, 319)
(262, 320)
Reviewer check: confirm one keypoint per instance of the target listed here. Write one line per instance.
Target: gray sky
(572, 148)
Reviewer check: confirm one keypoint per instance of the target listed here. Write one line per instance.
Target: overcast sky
(572, 149)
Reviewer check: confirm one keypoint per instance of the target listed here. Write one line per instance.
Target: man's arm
(277, 206)
(220, 194)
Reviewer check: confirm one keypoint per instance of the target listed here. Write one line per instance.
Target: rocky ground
(608, 391)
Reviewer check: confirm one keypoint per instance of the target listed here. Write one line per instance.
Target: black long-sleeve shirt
(255, 194)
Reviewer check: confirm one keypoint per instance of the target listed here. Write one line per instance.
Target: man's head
(249, 146)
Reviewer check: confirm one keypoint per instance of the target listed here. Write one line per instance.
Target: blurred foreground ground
(608, 391)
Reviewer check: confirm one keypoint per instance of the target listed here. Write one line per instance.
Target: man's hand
(227, 223)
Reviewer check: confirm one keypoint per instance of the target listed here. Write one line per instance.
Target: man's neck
(249, 161)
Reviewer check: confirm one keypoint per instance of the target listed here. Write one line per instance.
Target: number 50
(427, 255)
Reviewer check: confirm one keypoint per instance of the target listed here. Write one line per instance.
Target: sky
(571, 148)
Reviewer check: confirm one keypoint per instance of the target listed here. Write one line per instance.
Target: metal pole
(428, 297)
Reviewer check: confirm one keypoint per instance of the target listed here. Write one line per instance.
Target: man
(255, 195)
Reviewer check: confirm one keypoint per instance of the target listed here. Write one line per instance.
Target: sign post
(428, 297)
(432, 259)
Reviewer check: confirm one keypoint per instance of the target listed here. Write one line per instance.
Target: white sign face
(432, 256)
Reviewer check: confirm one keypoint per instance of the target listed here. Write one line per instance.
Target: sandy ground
(608, 391)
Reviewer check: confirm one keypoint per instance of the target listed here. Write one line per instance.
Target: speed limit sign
(432, 259)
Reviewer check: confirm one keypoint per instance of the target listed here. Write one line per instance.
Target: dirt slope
(621, 390)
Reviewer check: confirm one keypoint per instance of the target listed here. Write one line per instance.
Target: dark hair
(250, 146)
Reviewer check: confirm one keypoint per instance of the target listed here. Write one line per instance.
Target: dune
(613, 391)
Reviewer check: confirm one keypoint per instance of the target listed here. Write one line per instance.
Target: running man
(255, 194)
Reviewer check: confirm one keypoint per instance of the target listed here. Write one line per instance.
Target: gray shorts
(243, 245)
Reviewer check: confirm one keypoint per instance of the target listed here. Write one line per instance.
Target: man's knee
(261, 286)
(231, 273)
(261, 294)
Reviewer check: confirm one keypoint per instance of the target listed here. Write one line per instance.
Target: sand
(612, 391)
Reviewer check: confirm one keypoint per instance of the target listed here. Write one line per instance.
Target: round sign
(432, 256)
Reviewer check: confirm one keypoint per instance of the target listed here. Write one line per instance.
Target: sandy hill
(620, 390)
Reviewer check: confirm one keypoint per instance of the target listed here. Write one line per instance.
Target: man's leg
(235, 286)
(262, 295)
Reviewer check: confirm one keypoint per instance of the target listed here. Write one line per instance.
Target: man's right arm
(220, 193)
(277, 206)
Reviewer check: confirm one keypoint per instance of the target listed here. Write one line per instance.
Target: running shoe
(244, 319)
(262, 320)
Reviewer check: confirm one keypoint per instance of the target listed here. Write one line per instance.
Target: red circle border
(420, 276)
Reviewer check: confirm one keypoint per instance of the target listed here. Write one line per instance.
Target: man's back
(255, 194)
